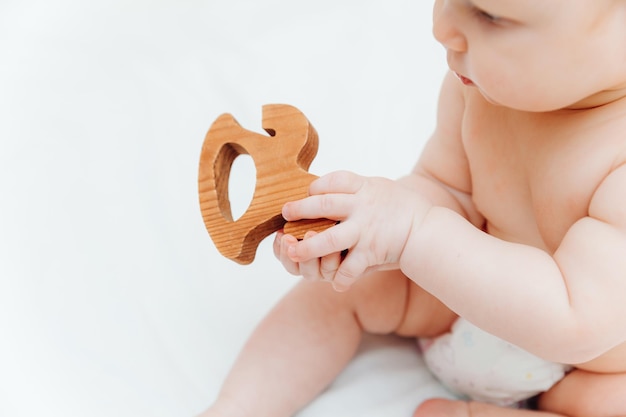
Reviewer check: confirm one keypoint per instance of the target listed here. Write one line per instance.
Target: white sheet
(113, 299)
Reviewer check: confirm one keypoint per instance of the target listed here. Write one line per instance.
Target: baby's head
(536, 55)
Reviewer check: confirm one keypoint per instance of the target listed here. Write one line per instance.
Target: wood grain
(282, 159)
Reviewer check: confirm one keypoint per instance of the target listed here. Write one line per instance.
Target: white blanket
(113, 299)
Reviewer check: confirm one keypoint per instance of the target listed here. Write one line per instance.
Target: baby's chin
(522, 103)
(491, 100)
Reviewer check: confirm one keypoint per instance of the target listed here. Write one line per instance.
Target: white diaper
(483, 367)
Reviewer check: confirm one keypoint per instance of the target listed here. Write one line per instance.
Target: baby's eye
(484, 15)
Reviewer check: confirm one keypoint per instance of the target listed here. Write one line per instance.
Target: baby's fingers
(333, 240)
(277, 243)
(329, 206)
(281, 248)
(350, 270)
(324, 268)
(329, 265)
(344, 182)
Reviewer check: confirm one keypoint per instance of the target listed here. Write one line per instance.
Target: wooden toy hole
(241, 185)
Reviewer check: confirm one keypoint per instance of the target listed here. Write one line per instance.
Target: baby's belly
(611, 362)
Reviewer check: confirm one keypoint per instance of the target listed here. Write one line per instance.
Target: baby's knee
(389, 302)
(379, 301)
(386, 302)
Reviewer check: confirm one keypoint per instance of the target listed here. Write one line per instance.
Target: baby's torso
(533, 175)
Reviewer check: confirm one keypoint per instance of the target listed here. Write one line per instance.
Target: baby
(510, 232)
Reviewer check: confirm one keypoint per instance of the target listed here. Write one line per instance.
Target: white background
(113, 299)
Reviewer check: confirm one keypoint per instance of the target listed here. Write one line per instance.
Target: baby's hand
(315, 269)
(376, 217)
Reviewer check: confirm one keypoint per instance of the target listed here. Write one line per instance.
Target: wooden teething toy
(281, 160)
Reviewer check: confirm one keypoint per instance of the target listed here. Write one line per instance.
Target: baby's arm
(573, 299)
(441, 177)
(560, 307)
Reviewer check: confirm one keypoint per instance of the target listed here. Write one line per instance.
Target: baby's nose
(446, 29)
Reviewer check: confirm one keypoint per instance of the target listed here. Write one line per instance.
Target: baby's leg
(579, 394)
(309, 337)
(587, 394)
(449, 408)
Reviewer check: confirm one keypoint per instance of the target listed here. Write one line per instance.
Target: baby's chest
(532, 179)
